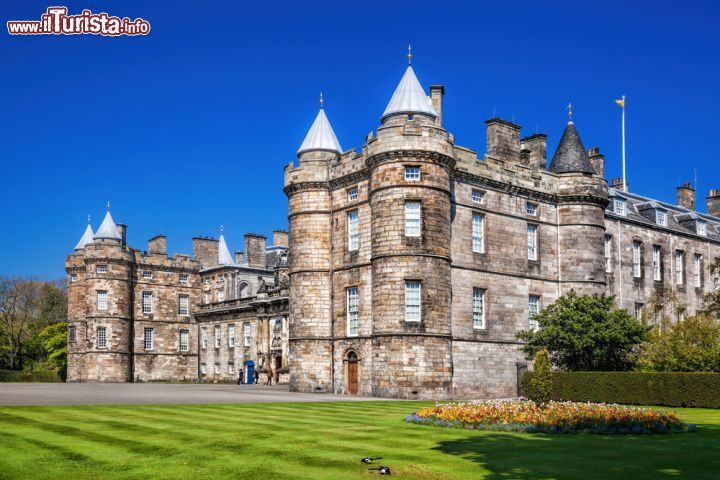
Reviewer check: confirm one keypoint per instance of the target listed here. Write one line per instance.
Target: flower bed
(554, 417)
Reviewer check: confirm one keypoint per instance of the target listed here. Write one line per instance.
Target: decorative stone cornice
(350, 178)
(301, 186)
(404, 155)
(479, 181)
(584, 198)
(169, 268)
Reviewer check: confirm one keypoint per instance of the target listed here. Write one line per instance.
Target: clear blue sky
(190, 127)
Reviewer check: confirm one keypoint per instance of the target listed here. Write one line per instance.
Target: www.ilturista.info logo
(56, 21)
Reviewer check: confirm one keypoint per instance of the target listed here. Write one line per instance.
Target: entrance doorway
(278, 366)
(352, 370)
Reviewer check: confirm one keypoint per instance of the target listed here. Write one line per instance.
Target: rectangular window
(412, 219)
(702, 229)
(231, 336)
(478, 237)
(74, 278)
(203, 369)
(102, 303)
(533, 310)
(102, 268)
(247, 333)
(218, 336)
(231, 368)
(412, 173)
(101, 337)
(679, 270)
(619, 206)
(352, 194)
(608, 249)
(147, 302)
(637, 271)
(184, 341)
(183, 278)
(478, 308)
(657, 267)
(532, 242)
(639, 310)
(353, 235)
(477, 196)
(148, 339)
(353, 311)
(661, 218)
(412, 301)
(697, 270)
(204, 337)
(217, 369)
(71, 334)
(183, 305)
(206, 298)
(221, 295)
(531, 209)
(146, 274)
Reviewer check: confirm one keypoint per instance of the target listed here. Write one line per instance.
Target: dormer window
(702, 228)
(661, 218)
(619, 206)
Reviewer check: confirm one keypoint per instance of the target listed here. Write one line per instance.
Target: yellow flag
(621, 103)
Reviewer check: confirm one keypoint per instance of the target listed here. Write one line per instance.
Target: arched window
(243, 290)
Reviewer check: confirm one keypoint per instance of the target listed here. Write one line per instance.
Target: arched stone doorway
(353, 376)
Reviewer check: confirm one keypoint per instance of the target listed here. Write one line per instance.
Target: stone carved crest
(276, 343)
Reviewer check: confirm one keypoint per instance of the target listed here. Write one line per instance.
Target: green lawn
(325, 441)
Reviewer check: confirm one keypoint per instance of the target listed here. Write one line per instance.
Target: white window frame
(701, 228)
(203, 368)
(73, 278)
(533, 310)
(353, 311)
(697, 270)
(639, 310)
(231, 368)
(661, 218)
(147, 302)
(148, 339)
(184, 305)
(619, 206)
(477, 196)
(413, 218)
(218, 336)
(102, 300)
(413, 301)
(608, 253)
(478, 232)
(679, 267)
(147, 274)
(101, 337)
(636, 259)
(183, 278)
(531, 209)
(657, 267)
(206, 298)
(231, 336)
(217, 369)
(247, 334)
(353, 230)
(101, 268)
(532, 236)
(352, 194)
(412, 173)
(478, 306)
(204, 338)
(184, 341)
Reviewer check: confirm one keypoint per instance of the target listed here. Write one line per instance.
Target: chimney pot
(436, 96)
(713, 203)
(686, 196)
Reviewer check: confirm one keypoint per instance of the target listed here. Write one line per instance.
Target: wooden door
(353, 376)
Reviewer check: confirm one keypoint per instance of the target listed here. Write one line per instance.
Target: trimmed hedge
(673, 389)
(30, 376)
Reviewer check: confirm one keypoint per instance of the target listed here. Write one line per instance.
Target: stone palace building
(410, 266)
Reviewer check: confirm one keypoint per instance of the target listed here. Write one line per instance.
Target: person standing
(270, 376)
(257, 376)
(241, 376)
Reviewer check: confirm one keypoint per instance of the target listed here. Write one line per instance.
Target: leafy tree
(54, 341)
(692, 345)
(541, 381)
(586, 333)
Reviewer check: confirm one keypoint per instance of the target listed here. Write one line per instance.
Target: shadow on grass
(560, 457)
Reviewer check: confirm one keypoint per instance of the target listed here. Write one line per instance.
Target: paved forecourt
(153, 393)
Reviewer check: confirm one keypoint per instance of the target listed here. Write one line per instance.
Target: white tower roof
(108, 229)
(86, 238)
(320, 136)
(409, 98)
(224, 257)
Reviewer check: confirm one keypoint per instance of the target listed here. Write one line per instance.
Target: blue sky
(190, 127)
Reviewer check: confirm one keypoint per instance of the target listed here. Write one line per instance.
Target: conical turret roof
(571, 156)
(320, 136)
(224, 257)
(86, 238)
(409, 98)
(108, 229)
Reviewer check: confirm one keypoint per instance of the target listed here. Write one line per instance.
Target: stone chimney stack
(280, 238)
(122, 228)
(436, 95)
(238, 257)
(158, 245)
(686, 196)
(598, 161)
(617, 183)
(537, 147)
(205, 250)
(255, 246)
(503, 140)
(713, 203)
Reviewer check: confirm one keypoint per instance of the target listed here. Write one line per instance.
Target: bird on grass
(382, 470)
(370, 459)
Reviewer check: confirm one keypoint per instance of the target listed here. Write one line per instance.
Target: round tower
(410, 204)
(309, 219)
(107, 335)
(582, 198)
(75, 268)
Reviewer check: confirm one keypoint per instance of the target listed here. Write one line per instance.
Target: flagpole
(625, 185)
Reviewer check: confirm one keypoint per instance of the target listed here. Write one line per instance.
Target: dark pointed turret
(571, 156)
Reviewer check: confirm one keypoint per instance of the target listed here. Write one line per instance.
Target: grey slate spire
(409, 98)
(321, 135)
(86, 238)
(108, 229)
(224, 257)
(571, 156)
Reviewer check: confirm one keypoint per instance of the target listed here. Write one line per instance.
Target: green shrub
(674, 389)
(30, 376)
(541, 382)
